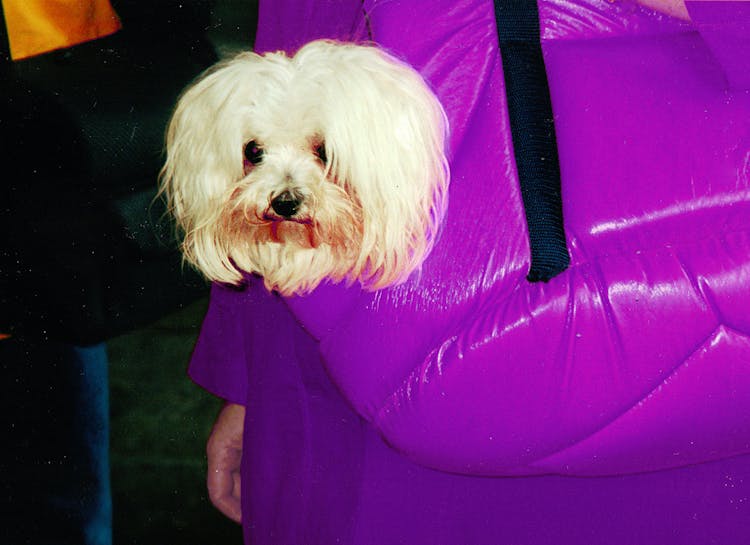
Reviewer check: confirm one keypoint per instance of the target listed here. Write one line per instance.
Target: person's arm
(219, 360)
(220, 365)
(673, 8)
(240, 336)
(224, 453)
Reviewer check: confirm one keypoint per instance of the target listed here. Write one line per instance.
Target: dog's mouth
(303, 229)
(269, 227)
(274, 219)
(298, 231)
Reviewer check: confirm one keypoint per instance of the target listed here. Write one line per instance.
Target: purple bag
(632, 366)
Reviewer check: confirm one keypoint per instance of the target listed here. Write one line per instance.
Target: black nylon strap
(533, 131)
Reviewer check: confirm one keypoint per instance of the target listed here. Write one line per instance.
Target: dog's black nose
(286, 205)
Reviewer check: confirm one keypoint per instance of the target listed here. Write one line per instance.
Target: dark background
(159, 424)
(81, 262)
(159, 419)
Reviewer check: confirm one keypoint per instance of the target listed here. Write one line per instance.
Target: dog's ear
(204, 147)
(385, 132)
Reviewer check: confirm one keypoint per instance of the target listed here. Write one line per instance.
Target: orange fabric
(38, 26)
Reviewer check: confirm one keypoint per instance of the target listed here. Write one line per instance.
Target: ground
(160, 421)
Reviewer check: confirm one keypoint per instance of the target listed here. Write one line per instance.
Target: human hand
(224, 453)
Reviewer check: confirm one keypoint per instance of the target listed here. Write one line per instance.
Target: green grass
(159, 424)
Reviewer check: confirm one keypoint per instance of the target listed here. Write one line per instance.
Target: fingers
(224, 492)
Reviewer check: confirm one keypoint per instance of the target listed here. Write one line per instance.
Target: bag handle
(533, 132)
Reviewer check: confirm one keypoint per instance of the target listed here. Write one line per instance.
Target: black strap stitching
(533, 132)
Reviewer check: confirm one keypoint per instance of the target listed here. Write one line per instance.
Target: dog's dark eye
(320, 151)
(253, 152)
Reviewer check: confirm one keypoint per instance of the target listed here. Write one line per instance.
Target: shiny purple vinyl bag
(617, 394)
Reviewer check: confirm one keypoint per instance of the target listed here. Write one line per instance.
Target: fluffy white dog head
(325, 165)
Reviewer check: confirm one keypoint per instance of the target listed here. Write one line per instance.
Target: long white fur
(371, 214)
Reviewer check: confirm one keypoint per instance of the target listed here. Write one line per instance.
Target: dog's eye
(253, 152)
(320, 151)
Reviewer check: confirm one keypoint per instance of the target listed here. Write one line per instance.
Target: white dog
(326, 165)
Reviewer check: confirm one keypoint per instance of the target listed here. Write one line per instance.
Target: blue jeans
(55, 457)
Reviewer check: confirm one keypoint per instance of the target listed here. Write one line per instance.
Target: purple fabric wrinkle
(725, 26)
(468, 406)
(712, 187)
(409, 504)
